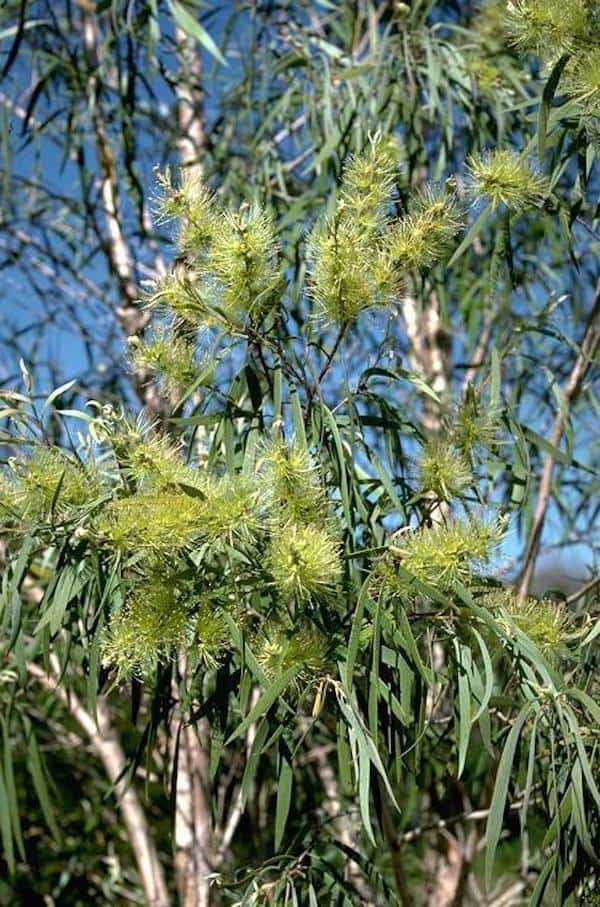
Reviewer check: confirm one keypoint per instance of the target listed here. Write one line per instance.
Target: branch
(589, 348)
(583, 590)
(237, 809)
(105, 742)
(480, 350)
(194, 857)
(132, 319)
(190, 102)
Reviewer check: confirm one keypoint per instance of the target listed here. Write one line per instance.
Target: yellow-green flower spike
(549, 28)
(279, 648)
(170, 357)
(155, 523)
(349, 267)
(211, 634)
(293, 488)
(440, 556)
(348, 272)
(543, 621)
(474, 425)
(443, 471)
(369, 182)
(51, 480)
(505, 178)
(180, 292)
(582, 79)
(244, 261)
(304, 561)
(153, 624)
(229, 508)
(425, 235)
(192, 205)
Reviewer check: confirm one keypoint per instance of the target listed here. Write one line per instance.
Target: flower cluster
(543, 621)
(304, 555)
(505, 178)
(440, 556)
(582, 79)
(304, 561)
(550, 28)
(244, 262)
(171, 358)
(232, 271)
(153, 624)
(444, 473)
(369, 183)
(191, 205)
(292, 483)
(357, 256)
(562, 28)
(474, 424)
(211, 636)
(49, 483)
(230, 507)
(425, 235)
(280, 647)
(158, 523)
(349, 270)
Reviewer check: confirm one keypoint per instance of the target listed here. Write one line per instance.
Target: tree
(294, 574)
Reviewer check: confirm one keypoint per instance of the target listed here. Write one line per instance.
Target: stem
(588, 349)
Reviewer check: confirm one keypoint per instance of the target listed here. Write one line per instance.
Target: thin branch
(589, 348)
(588, 587)
(480, 350)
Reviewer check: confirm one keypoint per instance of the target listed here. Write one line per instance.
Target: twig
(588, 587)
(588, 349)
(474, 815)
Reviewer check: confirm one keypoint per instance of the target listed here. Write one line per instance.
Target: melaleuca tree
(294, 575)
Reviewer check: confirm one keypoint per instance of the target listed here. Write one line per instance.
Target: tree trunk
(106, 745)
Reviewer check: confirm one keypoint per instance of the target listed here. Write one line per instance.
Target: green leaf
(472, 234)
(11, 790)
(364, 786)
(265, 702)
(192, 27)
(489, 676)
(57, 393)
(5, 828)
(284, 793)
(463, 658)
(13, 594)
(586, 768)
(547, 98)
(354, 641)
(253, 760)
(496, 814)
(34, 764)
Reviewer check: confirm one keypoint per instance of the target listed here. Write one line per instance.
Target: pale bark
(105, 743)
(190, 103)
(195, 846)
(132, 318)
(193, 825)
